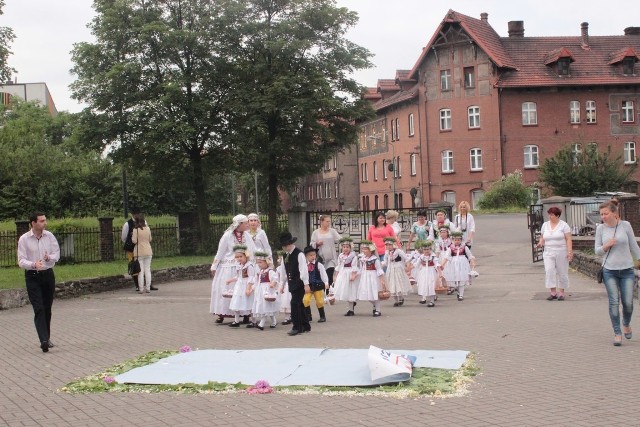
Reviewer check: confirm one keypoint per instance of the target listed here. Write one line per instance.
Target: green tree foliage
(42, 166)
(294, 102)
(581, 174)
(6, 37)
(509, 191)
(156, 82)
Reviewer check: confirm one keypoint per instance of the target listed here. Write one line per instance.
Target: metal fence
(8, 249)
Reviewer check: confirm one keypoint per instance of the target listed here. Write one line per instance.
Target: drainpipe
(501, 137)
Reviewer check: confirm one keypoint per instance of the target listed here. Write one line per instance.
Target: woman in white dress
(223, 266)
(266, 301)
(241, 302)
(258, 235)
(283, 283)
(461, 260)
(324, 239)
(345, 283)
(392, 220)
(396, 276)
(465, 223)
(555, 237)
(371, 276)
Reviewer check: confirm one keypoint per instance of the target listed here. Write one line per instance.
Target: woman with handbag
(324, 239)
(615, 238)
(555, 237)
(141, 236)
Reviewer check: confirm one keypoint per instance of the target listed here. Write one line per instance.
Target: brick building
(477, 106)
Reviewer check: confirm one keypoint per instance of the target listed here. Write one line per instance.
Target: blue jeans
(619, 284)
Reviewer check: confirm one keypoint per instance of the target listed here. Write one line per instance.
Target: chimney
(584, 30)
(632, 31)
(516, 28)
(484, 17)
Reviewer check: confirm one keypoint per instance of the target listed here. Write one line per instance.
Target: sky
(394, 31)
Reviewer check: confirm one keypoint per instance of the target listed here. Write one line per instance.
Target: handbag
(134, 265)
(600, 272)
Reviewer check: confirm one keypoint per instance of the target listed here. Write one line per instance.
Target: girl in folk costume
(440, 248)
(396, 277)
(371, 276)
(223, 267)
(242, 300)
(258, 235)
(428, 272)
(266, 302)
(460, 258)
(285, 296)
(345, 282)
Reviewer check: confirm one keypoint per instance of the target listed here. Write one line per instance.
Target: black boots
(307, 312)
(322, 317)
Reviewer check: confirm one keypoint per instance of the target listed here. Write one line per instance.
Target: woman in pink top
(379, 231)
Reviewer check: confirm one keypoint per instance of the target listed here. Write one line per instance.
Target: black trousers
(41, 286)
(298, 318)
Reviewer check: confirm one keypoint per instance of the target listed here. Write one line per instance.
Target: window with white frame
(412, 164)
(398, 168)
(397, 127)
(531, 159)
(469, 77)
(310, 190)
(319, 191)
(366, 173)
(629, 152)
(327, 165)
(576, 153)
(476, 196)
(385, 167)
(327, 190)
(474, 117)
(445, 80)
(445, 119)
(475, 156)
(449, 196)
(361, 172)
(529, 114)
(335, 162)
(337, 190)
(447, 161)
(386, 201)
(574, 112)
(375, 171)
(590, 107)
(628, 115)
(411, 128)
(393, 131)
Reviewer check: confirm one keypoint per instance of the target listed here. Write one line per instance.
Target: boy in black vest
(298, 279)
(318, 282)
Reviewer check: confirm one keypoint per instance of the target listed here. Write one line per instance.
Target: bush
(510, 191)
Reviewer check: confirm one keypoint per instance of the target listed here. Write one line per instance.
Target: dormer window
(628, 63)
(563, 66)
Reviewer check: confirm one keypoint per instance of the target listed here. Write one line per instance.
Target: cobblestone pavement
(542, 363)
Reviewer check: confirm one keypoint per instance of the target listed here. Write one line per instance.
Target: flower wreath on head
(240, 248)
(345, 240)
(369, 244)
(455, 234)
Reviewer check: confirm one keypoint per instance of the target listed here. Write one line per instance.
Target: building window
(319, 191)
(447, 161)
(375, 171)
(449, 196)
(474, 117)
(397, 128)
(337, 190)
(375, 202)
(475, 155)
(445, 119)
(531, 156)
(629, 153)
(366, 173)
(335, 162)
(590, 107)
(411, 128)
(412, 164)
(469, 77)
(574, 112)
(327, 190)
(445, 80)
(384, 168)
(563, 66)
(397, 170)
(386, 201)
(628, 115)
(327, 165)
(529, 114)
(399, 204)
(364, 203)
(310, 192)
(362, 173)
(627, 65)
(576, 152)
(476, 195)
(393, 131)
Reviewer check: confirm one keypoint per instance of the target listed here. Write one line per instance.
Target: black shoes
(423, 302)
(260, 327)
(431, 304)
(251, 325)
(560, 297)
(286, 321)
(51, 345)
(350, 313)
(376, 313)
(552, 297)
(293, 332)
(220, 319)
(234, 325)
(322, 320)
(460, 297)
(245, 320)
(153, 288)
(44, 345)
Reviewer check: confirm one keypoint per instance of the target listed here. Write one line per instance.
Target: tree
(508, 192)
(157, 82)
(6, 37)
(580, 174)
(293, 101)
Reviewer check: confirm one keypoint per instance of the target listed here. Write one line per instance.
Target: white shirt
(31, 249)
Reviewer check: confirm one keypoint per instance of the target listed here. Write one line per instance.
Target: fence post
(106, 239)
(22, 226)
(188, 233)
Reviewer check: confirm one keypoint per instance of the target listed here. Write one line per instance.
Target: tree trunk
(272, 206)
(201, 203)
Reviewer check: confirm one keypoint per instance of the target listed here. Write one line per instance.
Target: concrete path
(542, 363)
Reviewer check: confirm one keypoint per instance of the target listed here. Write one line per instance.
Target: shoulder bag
(600, 273)
(134, 264)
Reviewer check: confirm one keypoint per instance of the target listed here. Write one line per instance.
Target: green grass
(13, 277)
(424, 382)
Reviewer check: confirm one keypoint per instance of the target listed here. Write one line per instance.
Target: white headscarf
(237, 220)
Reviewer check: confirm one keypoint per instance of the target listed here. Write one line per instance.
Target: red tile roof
(397, 98)
(591, 66)
(387, 85)
(620, 54)
(554, 55)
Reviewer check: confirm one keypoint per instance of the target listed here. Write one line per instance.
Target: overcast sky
(393, 30)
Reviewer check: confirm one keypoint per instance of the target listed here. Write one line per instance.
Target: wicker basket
(227, 295)
(331, 299)
(269, 298)
(384, 295)
(441, 286)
